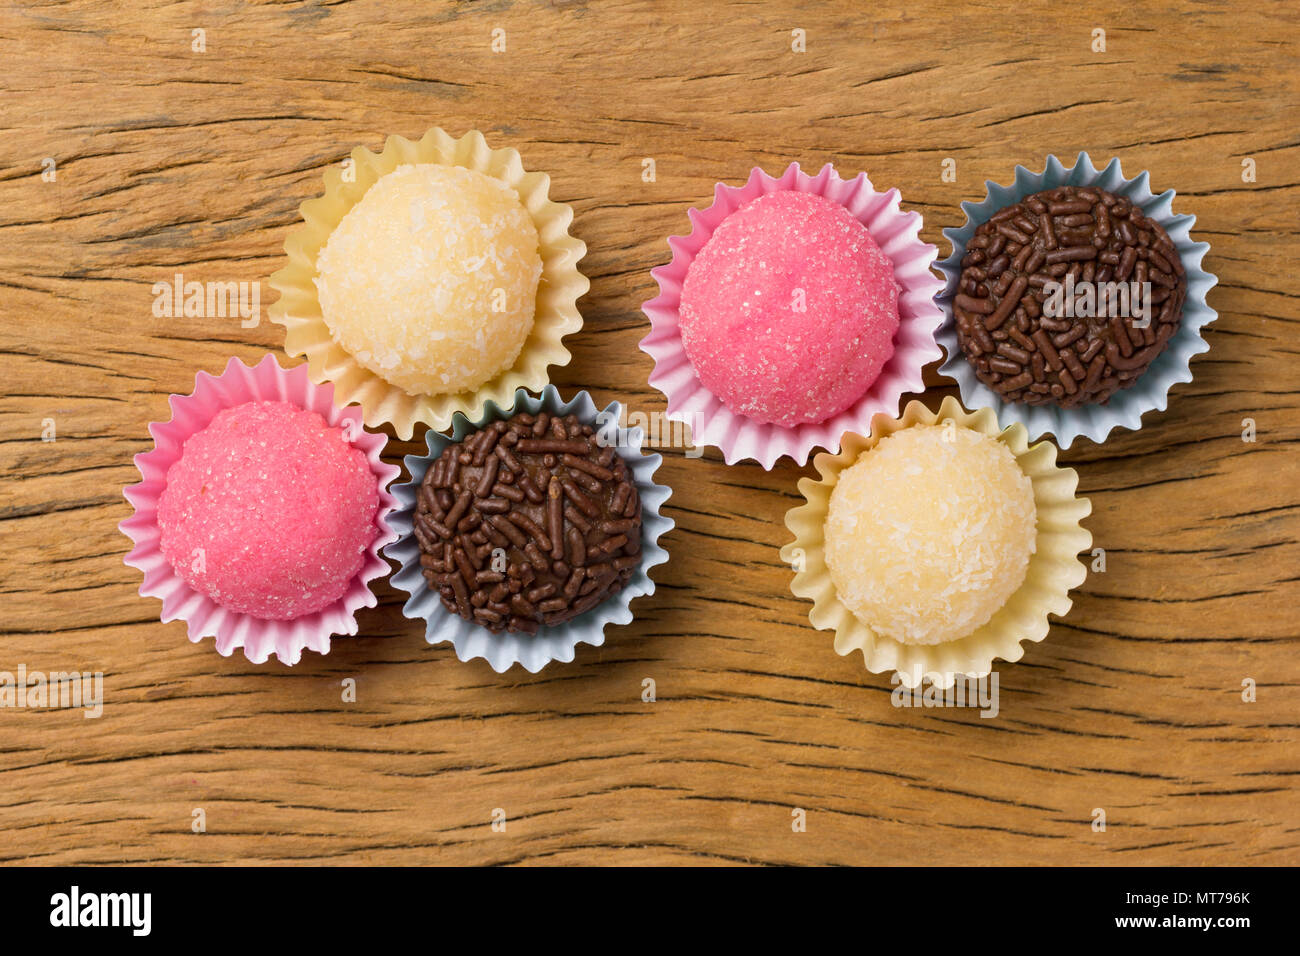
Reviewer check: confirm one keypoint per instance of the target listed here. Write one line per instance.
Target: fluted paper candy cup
(558, 642)
(1054, 568)
(738, 437)
(203, 617)
(556, 315)
(1150, 391)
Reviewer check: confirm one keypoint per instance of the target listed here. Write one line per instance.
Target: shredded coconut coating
(430, 281)
(788, 313)
(269, 511)
(929, 533)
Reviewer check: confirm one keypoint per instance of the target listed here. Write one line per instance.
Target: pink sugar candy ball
(269, 511)
(789, 311)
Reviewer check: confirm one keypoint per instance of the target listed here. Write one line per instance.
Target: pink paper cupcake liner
(897, 234)
(259, 638)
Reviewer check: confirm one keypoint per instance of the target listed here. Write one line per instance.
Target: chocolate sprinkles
(541, 489)
(1061, 240)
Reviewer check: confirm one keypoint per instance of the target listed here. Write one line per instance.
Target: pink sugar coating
(269, 511)
(741, 321)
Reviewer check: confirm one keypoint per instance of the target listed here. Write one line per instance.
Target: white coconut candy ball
(430, 281)
(929, 533)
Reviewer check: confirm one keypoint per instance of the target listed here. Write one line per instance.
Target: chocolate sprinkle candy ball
(527, 523)
(1075, 237)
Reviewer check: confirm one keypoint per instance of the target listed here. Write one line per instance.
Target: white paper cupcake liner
(1151, 390)
(1054, 568)
(306, 332)
(559, 642)
(739, 437)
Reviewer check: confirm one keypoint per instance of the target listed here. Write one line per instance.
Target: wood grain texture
(171, 160)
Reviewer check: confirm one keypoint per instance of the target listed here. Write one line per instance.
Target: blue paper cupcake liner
(556, 643)
(1151, 390)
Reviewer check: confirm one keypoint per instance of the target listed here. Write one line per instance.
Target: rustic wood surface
(169, 160)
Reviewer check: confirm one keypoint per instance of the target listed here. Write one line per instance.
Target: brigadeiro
(528, 522)
(1067, 297)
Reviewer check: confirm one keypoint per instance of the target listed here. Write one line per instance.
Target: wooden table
(170, 160)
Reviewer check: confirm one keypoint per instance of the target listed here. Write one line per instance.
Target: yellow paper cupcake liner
(561, 285)
(1054, 568)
